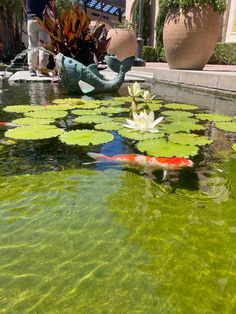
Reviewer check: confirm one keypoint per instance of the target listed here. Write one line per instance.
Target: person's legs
(43, 57)
(32, 45)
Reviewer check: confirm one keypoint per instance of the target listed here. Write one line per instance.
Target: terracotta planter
(189, 37)
(123, 43)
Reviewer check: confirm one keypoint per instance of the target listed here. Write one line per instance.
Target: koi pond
(83, 237)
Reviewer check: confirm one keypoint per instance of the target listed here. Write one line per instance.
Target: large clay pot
(189, 37)
(123, 43)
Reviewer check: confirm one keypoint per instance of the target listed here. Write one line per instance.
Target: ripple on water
(80, 246)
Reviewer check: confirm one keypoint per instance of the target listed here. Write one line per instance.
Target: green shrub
(162, 56)
(149, 54)
(218, 5)
(224, 53)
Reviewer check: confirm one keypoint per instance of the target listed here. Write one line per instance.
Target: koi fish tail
(98, 157)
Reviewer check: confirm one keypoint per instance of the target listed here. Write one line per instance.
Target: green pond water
(96, 238)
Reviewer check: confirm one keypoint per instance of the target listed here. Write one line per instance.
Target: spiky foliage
(70, 34)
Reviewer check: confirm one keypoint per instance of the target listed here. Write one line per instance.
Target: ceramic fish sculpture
(83, 79)
(148, 163)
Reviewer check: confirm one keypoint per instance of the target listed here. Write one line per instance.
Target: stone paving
(221, 78)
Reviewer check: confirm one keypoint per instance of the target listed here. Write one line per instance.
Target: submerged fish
(148, 163)
(87, 79)
(8, 124)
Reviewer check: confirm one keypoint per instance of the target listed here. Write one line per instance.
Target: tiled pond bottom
(100, 238)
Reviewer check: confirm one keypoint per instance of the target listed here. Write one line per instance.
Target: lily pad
(161, 148)
(88, 106)
(32, 121)
(186, 120)
(189, 139)
(68, 101)
(156, 101)
(34, 132)
(86, 112)
(180, 126)
(60, 107)
(154, 106)
(113, 110)
(93, 119)
(234, 147)
(119, 119)
(181, 106)
(112, 102)
(23, 108)
(213, 117)
(108, 126)
(49, 114)
(226, 126)
(177, 114)
(86, 137)
(135, 135)
(125, 99)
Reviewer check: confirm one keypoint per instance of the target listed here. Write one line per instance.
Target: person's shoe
(32, 73)
(40, 74)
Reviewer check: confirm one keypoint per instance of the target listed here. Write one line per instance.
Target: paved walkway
(221, 78)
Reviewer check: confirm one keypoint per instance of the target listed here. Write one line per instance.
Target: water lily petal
(146, 95)
(158, 120)
(131, 122)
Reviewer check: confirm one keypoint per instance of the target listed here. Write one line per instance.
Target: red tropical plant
(71, 34)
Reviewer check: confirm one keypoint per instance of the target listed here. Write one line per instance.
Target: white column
(128, 10)
(231, 27)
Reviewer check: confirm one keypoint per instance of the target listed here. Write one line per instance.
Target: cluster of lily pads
(93, 122)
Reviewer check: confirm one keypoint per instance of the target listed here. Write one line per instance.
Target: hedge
(224, 53)
(149, 54)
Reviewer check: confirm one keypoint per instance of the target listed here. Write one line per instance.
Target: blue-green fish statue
(82, 79)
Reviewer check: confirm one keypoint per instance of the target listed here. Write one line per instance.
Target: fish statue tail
(116, 65)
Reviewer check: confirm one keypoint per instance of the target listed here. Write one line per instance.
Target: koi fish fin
(149, 174)
(164, 175)
(94, 68)
(85, 87)
(115, 65)
(90, 163)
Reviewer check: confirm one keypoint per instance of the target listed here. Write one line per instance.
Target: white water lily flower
(143, 122)
(146, 95)
(134, 89)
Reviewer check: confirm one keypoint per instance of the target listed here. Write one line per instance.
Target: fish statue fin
(115, 64)
(85, 87)
(94, 68)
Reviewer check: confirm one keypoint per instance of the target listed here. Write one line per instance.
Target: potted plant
(190, 32)
(123, 40)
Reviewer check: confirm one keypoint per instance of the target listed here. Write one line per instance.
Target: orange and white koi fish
(8, 124)
(148, 163)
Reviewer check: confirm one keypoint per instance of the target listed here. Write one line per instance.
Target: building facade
(228, 20)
